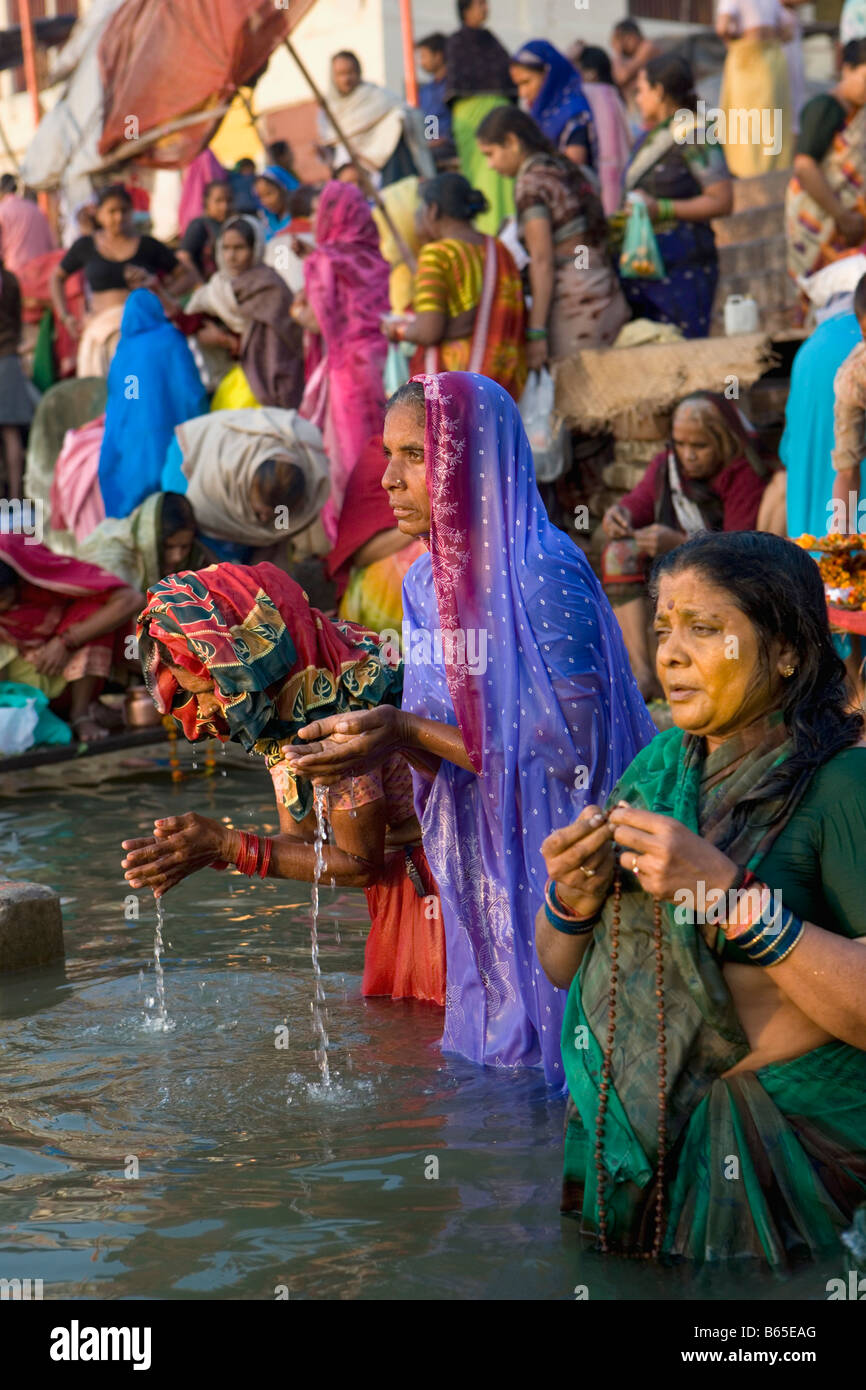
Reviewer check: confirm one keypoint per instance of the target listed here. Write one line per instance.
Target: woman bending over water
(760, 787)
(519, 705)
(237, 652)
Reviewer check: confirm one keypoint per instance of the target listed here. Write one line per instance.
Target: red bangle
(558, 908)
(266, 858)
(248, 855)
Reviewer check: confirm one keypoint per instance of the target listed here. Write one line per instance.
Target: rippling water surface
(253, 1181)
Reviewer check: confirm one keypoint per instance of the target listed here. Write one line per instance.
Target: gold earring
(789, 670)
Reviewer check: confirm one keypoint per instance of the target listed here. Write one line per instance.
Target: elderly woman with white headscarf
(253, 349)
(255, 479)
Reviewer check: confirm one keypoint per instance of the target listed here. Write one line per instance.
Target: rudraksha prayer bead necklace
(606, 1075)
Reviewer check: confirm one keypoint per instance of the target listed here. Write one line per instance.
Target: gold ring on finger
(635, 867)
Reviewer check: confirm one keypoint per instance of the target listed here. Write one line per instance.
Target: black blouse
(103, 274)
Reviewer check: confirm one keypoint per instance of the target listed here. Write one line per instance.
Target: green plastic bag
(640, 258)
(44, 374)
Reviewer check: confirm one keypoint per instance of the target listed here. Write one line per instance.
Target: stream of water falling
(320, 798)
(162, 1023)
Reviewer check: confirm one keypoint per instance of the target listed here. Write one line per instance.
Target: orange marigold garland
(842, 564)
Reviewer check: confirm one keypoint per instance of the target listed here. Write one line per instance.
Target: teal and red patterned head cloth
(276, 663)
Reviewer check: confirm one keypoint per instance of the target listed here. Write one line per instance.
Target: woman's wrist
(408, 730)
(536, 334)
(230, 846)
(580, 901)
(565, 920)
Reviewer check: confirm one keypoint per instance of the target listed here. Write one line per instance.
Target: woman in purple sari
(519, 705)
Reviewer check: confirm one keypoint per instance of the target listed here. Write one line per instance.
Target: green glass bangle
(535, 335)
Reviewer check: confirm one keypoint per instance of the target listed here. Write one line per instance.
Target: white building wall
(371, 28)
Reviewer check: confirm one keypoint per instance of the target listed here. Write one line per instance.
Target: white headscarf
(222, 453)
(217, 297)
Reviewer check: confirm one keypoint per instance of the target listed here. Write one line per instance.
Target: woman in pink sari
(610, 118)
(345, 296)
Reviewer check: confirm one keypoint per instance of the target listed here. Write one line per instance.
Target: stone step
(778, 323)
(771, 289)
(638, 451)
(761, 191)
(31, 925)
(768, 253)
(623, 476)
(750, 224)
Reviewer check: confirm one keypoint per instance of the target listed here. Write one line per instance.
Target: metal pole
(366, 182)
(28, 50)
(408, 52)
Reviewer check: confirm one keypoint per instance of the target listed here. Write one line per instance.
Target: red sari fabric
(35, 281)
(366, 510)
(55, 593)
(405, 955)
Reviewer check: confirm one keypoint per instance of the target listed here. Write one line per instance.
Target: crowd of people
(292, 445)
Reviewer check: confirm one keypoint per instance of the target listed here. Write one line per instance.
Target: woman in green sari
(156, 539)
(708, 926)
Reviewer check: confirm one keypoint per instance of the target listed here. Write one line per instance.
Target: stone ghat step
(778, 323)
(761, 191)
(750, 225)
(773, 289)
(766, 254)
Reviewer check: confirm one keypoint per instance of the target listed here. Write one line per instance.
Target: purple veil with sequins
(530, 663)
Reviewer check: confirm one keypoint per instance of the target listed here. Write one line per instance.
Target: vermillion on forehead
(691, 595)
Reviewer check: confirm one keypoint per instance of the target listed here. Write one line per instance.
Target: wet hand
(580, 860)
(179, 846)
(665, 856)
(347, 742)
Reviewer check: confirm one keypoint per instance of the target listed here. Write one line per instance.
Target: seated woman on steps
(59, 619)
(712, 477)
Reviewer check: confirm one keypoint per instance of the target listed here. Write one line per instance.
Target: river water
(207, 1161)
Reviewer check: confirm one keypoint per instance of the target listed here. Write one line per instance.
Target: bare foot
(87, 730)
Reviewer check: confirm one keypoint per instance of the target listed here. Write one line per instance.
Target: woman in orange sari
(468, 299)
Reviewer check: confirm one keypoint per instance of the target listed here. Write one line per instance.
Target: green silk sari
(768, 1163)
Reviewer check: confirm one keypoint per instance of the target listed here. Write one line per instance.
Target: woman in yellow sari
(755, 85)
(468, 296)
